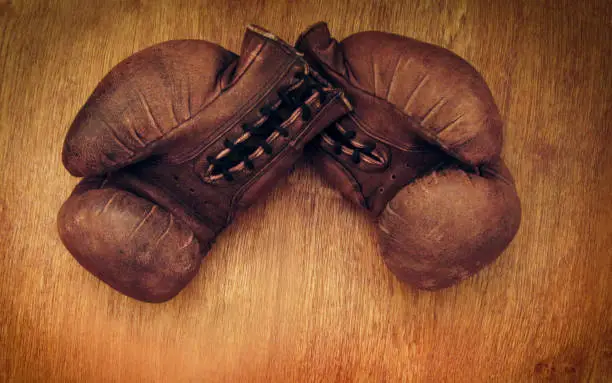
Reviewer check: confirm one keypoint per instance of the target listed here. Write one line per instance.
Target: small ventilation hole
(393, 176)
(381, 190)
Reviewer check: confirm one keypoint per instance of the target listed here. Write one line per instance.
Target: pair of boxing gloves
(179, 137)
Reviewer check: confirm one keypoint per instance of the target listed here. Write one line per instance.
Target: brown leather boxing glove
(192, 133)
(420, 151)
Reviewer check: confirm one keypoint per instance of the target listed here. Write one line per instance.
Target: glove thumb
(319, 47)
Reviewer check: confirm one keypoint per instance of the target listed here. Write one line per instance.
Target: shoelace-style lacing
(291, 98)
(346, 138)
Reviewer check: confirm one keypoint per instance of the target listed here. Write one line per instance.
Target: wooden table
(295, 289)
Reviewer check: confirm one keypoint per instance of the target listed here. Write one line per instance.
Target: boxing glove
(173, 142)
(420, 151)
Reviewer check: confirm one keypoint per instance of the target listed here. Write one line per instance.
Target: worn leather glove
(420, 151)
(190, 134)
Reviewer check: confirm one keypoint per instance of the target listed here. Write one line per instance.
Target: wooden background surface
(295, 290)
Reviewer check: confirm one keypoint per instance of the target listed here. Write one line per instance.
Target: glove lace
(291, 98)
(343, 138)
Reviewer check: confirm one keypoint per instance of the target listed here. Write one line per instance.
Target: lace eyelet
(265, 111)
(266, 148)
(228, 176)
(306, 115)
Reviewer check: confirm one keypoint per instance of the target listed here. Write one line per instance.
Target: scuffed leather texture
(131, 243)
(173, 142)
(420, 151)
(446, 226)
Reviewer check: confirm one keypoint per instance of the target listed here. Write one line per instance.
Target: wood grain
(295, 289)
